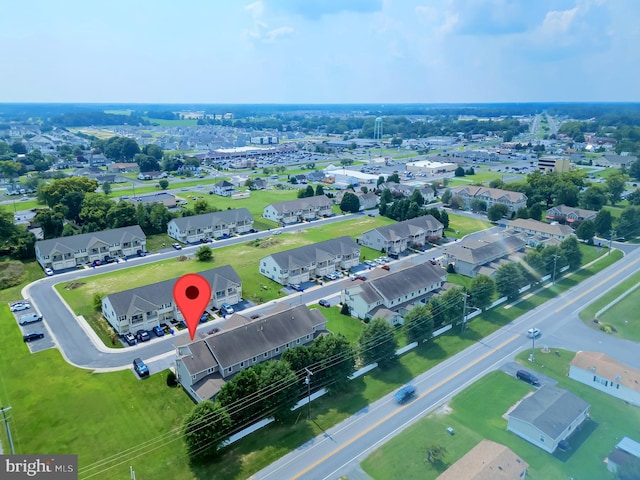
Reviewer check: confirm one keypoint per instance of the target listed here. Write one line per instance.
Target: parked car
(158, 331)
(141, 253)
(96, 263)
(226, 309)
(130, 339)
(140, 367)
(527, 376)
(370, 263)
(30, 318)
(324, 303)
(296, 286)
(48, 272)
(533, 332)
(143, 335)
(19, 306)
(404, 394)
(30, 337)
(109, 259)
(177, 246)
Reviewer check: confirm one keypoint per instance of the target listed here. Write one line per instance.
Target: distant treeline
(81, 119)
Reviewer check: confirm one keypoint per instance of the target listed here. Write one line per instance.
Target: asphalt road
(342, 447)
(82, 348)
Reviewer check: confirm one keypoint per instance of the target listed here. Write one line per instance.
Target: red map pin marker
(192, 294)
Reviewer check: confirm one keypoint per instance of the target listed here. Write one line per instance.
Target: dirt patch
(444, 410)
(12, 273)
(512, 407)
(73, 285)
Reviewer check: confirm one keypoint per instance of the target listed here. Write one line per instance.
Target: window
(266, 354)
(255, 359)
(542, 438)
(241, 364)
(277, 349)
(229, 369)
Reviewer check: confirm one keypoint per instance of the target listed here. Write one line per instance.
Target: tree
(570, 250)
(496, 212)
(396, 142)
(380, 181)
(417, 198)
(319, 190)
(634, 197)
(509, 280)
(478, 205)
(154, 151)
(444, 218)
(106, 188)
(453, 302)
(310, 191)
(496, 183)
(94, 210)
(201, 206)
(629, 222)
(205, 429)
(53, 193)
(164, 183)
(616, 183)
(603, 222)
(51, 223)
(350, 203)
(10, 169)
(394, 177)
(297, 357)
(418, 324)
(456, 202)
(278, 388)
(204, 254)
(333, 360)
(634, 170)
(159, 217)
(122, 214)
(238, 396)
(586, 230)
(535, 211)
(386, 197)
(522, 213)
(593, 198)
(459, 172)
(377, 344)
(19, 148)
(147, 163)
(68, 230)
(481, 291)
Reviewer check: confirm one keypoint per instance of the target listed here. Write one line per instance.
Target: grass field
(83, 406)
(461, 225)
(184, 122)
(622, 316)
(244, 258)
(476, 413)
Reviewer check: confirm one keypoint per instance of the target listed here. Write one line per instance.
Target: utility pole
(308, 382)
(613, 232)
(6, 424)
(464, 313)
(555, 262)
(133, 473)
(532, 357)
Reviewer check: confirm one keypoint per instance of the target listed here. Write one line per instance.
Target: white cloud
(276, 33)
(557, 22)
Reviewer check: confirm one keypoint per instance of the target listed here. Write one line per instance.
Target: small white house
(603, 373)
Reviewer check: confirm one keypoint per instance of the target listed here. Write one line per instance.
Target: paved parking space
(39, 344)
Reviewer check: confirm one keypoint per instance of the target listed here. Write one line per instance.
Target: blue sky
(320, 51)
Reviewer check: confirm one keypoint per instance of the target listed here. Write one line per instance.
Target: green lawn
(461, 225)
(348, 326)
(476, 413)
(84, 406)
(183, 122)
(622, 315)
(244, 258)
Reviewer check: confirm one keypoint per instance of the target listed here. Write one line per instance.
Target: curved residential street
(342, 447)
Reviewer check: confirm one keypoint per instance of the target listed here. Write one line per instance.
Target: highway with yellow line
(342, 447)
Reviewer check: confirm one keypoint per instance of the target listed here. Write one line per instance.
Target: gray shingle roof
(478, 252)
(550, 409)
(76, 243)
(565, 210)
(301, 204)
(263, 335)
(201, 358)
(409, 228)
(541, 227)
(150, 297)
(494, 193)
(316, 252)
(396, 284)
(213, 219)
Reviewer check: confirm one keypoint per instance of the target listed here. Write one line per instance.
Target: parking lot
(38, 344)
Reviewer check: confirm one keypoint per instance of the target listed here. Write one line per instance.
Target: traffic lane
(348, 442)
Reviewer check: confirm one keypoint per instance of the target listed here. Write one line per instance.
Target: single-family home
(70, 252)
(472, 257)
(626, 451)
(396, 291)
(145, 307)
(299, 210)
(260, 183)
(118, 167)
(547, 417)
(167, 199)
(487, 461)
(397, 237)
(615, 161)
(405, 190)
(492, 196)
(205, 364)
(570, 215)
(606, 374)
(223, 188)
(155, 175)
(534, 232)
(224, 223)
(309, 262)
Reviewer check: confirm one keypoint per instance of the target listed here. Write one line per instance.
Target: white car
(19, 306)
(48, 272)
(533, 332)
